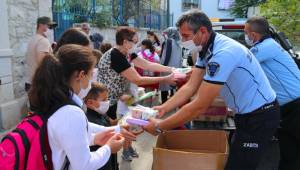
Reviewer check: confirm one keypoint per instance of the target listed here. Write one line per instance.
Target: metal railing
(152, 14)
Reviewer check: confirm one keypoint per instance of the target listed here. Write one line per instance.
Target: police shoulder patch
(254, 50)
(212, 68)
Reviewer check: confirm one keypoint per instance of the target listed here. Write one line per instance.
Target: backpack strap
(66, 164)
(168, 52)
(45, 146)
(26, 143)
(162, 49)
(17, 156)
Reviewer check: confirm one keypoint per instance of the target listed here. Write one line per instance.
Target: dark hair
(195, 19)
(148, 44)
(98, 54)
(124, 33)
(72, 36)
(259, 25)
(96, 89)
(105, 47)
(155, 36)
(50, 85)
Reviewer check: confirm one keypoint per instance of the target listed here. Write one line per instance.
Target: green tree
(133, 9)
(240, 7)
(285, 16)
(103, 14)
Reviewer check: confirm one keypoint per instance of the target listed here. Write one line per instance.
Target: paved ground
(144, 146)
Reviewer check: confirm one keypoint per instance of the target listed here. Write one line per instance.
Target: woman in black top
(116, 71)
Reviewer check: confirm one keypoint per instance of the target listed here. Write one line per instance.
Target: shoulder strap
(66, 164)
(162, 49)
(168, 52)
(44, 137)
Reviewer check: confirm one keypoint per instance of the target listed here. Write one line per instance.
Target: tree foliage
(284, 15)
(239, 8)
(132, 9)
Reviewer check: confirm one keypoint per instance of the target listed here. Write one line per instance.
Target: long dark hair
(155, 37)
(148, 44)
(72, 36)
(50, 85)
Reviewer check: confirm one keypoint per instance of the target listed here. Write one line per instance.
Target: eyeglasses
(86, 29)
(131, 40)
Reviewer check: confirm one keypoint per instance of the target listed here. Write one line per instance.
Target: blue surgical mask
(248, 41)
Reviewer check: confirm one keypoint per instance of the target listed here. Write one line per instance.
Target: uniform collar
(262, 39)
(77, 100)
(209, 45)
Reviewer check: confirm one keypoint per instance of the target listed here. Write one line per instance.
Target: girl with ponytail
(55, 94)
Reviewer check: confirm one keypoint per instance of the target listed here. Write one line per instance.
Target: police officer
(224, 67)
(284, 77)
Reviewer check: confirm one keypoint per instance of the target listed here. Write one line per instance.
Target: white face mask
(248, 41)
(132, 49)
(103, 108)
(190, 45)
(84, 91)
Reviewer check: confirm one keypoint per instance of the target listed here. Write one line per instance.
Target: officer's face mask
(190, 45)
(249, 41)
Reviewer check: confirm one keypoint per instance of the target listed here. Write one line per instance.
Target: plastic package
(180, 73)
(137, 117)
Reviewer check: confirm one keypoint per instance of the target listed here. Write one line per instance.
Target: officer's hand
(161, 110)
(102, 137)
(126, 134)
(116, 143)
(150, 128)
(188, 74)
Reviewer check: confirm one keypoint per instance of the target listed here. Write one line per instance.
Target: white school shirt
(71, 134)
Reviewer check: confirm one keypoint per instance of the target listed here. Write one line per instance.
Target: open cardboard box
(190, 150)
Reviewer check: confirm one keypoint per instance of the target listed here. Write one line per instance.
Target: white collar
(77, 99)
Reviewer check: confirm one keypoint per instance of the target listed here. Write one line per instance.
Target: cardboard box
(190, 150)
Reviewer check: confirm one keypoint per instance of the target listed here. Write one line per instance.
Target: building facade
(18, 25)
(213, 8)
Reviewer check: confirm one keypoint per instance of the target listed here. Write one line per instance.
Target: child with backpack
(57, 135)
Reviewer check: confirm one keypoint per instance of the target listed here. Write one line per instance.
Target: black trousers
(165, 95)
(112, 113)
(289, 136)
(253, 134)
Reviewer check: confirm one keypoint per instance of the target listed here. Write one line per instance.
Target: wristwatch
(157, 129)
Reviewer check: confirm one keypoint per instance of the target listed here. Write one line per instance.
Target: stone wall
(22, 15)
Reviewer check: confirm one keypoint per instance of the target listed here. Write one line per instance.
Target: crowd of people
(79, 74)
(82, 70)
